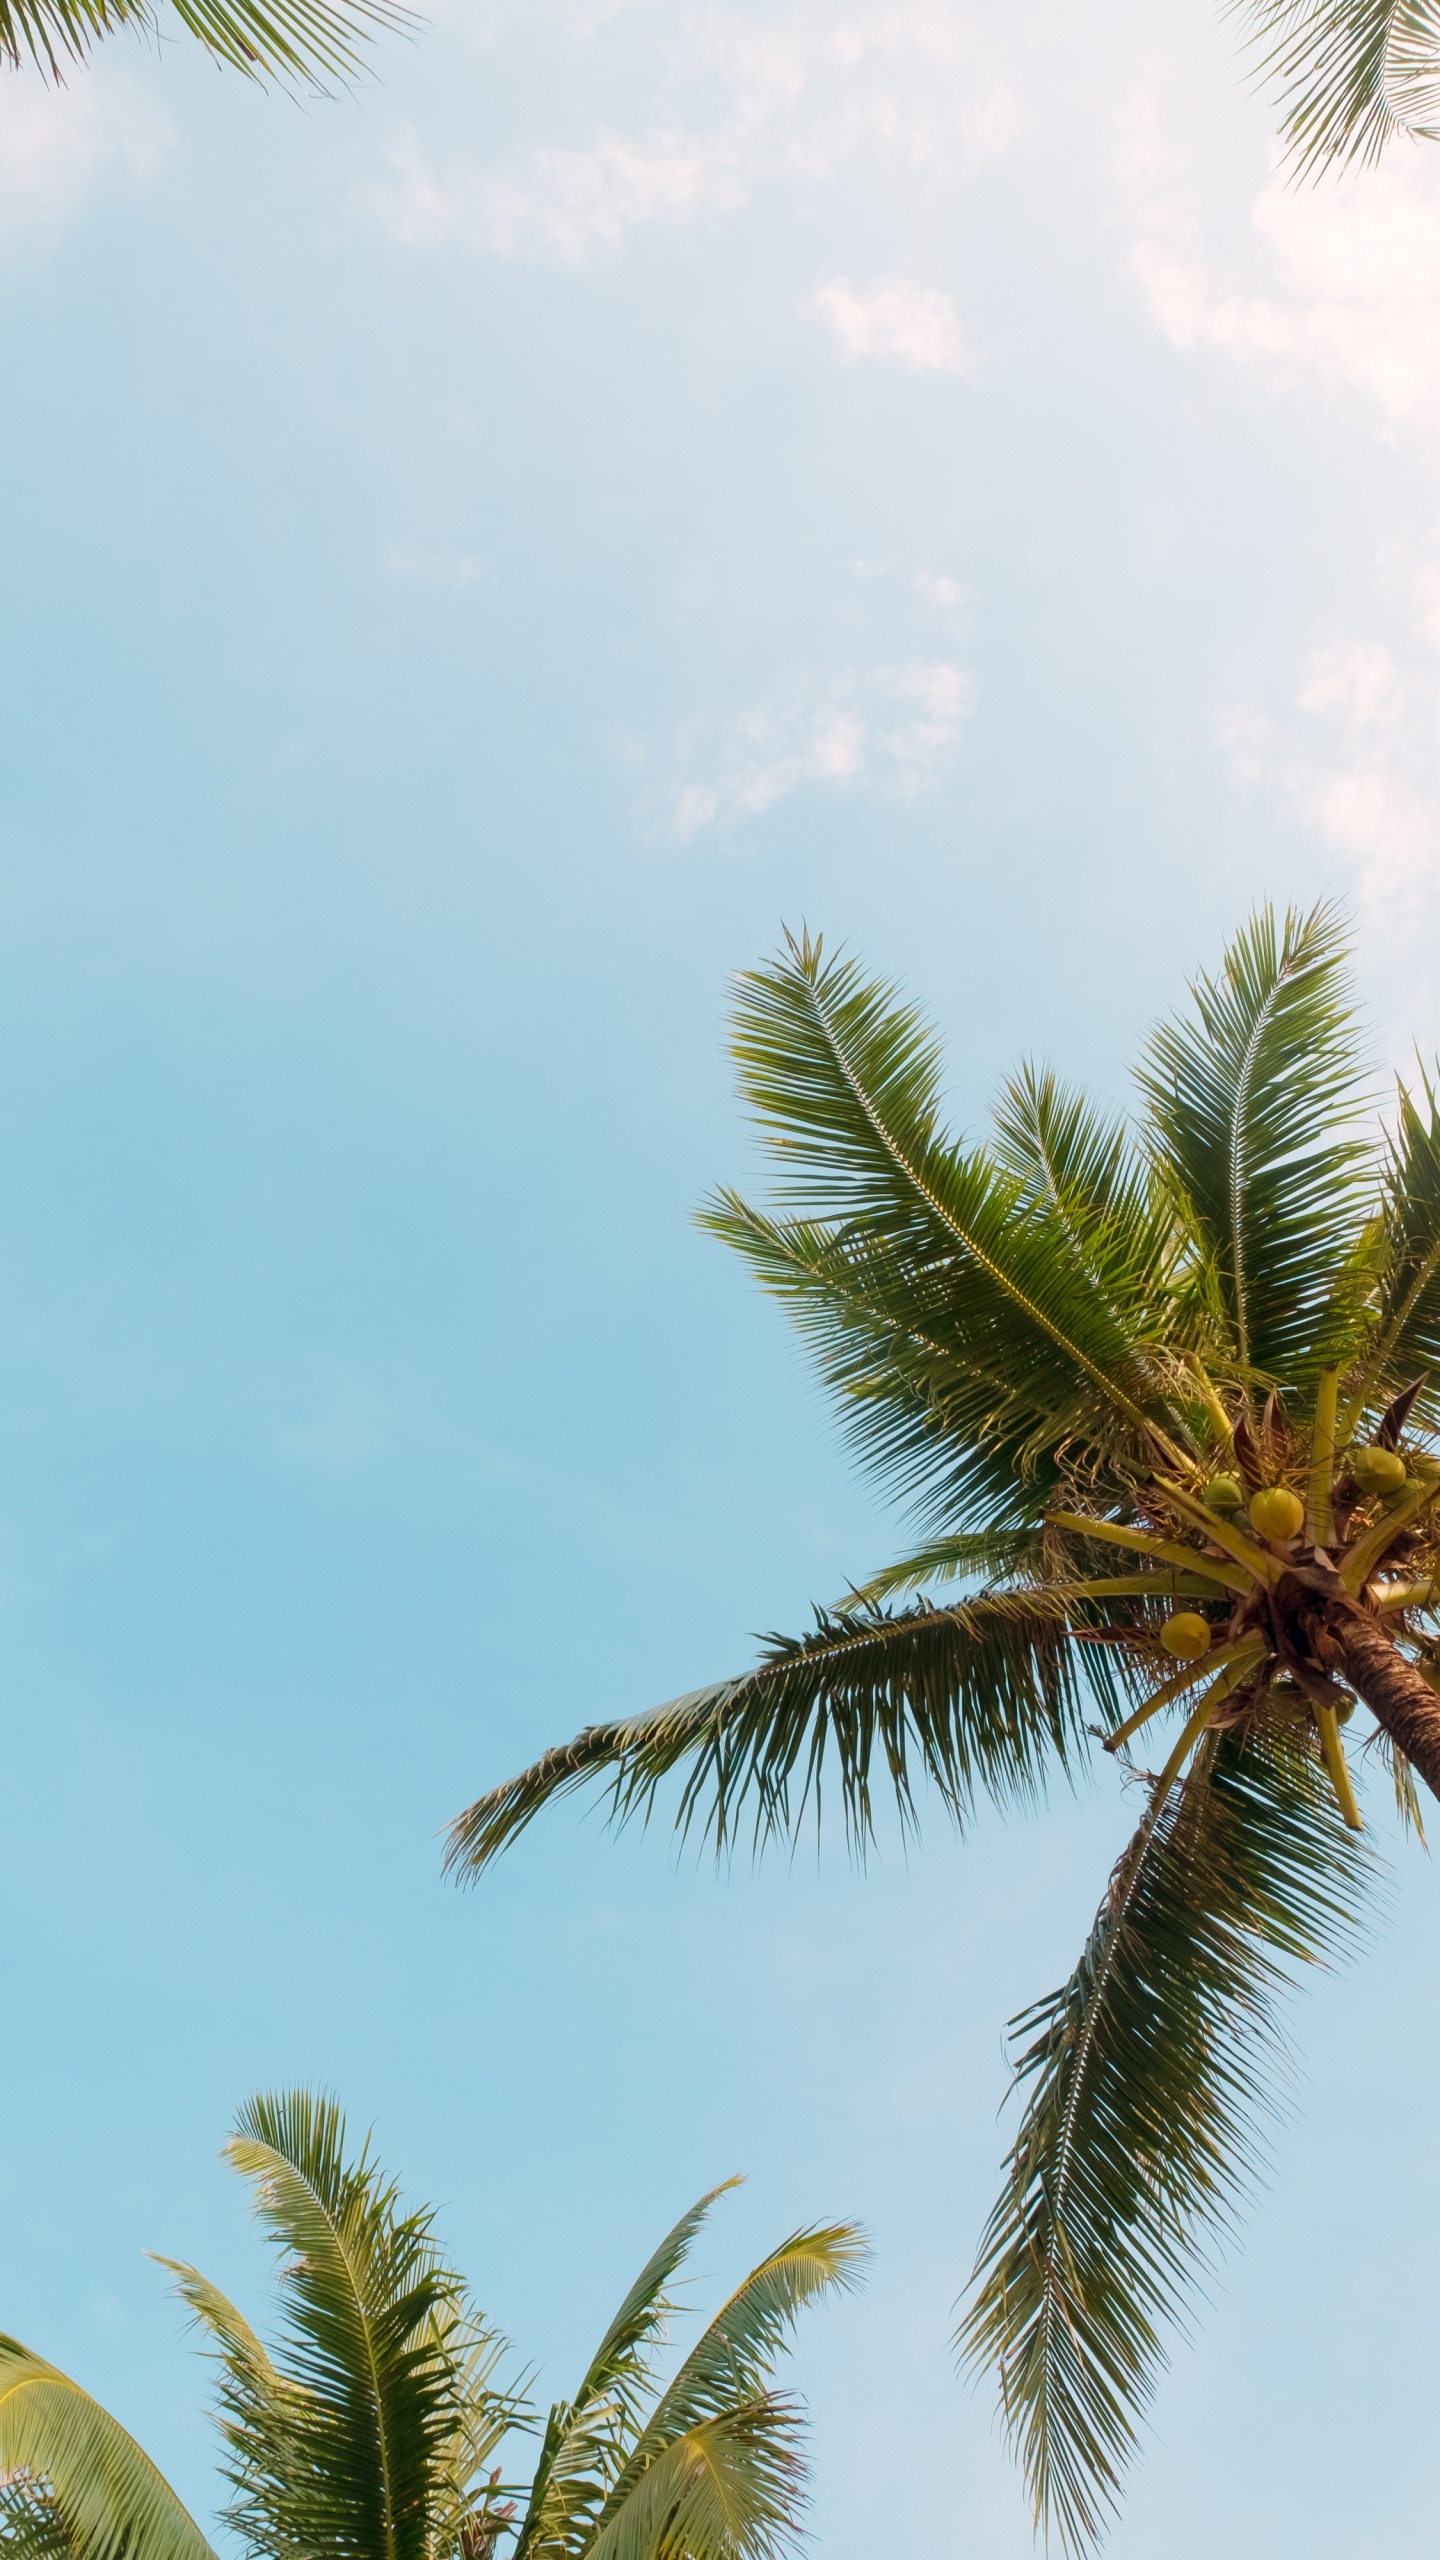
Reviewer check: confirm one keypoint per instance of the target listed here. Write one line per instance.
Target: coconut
(1186, 1635)
(1224, 1493)
(1277, 1513)
(1378, 1470)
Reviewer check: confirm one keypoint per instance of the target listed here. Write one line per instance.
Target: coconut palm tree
(1160, 1396)
(304, 44)
(368, 2430)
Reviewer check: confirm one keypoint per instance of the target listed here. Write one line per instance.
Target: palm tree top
(368, 2427)
(1160, 1398)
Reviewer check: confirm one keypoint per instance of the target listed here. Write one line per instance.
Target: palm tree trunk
(1397, 1695)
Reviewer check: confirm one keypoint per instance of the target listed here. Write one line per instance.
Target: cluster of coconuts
(1276, 1514)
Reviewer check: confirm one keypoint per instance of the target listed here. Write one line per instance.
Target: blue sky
(479, 556)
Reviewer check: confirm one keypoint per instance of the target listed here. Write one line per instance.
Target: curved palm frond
(1144, 2073)
(844, 1079)
(344, 2439)
(1353, 74)
(717, 2470)
(1249, 1103)
(94, 2490)
(304, 43)
(978, 1697)
(730, 2488)
(1405, 1338)
(33, 2524)
(1084, 1172)
(587, 2439)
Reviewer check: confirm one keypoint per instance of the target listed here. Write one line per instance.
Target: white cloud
(901, 321)
(55, 144)
(453, 569)
(798, 97)
(1349, 273)
(1359, 765)
(894, 730)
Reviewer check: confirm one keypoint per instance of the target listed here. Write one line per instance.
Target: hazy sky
(477, 558)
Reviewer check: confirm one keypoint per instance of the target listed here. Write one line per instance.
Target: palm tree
(304, 43)
(368, 2431)
(1159, 1398)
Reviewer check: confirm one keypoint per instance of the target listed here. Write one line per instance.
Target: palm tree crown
(1159, 1397)
(368, 2431)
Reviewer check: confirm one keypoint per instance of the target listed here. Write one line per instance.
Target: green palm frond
(1249, 1101)
(844, 1080)
(300, 43)
(96, 2491)
(972, 1556)
(1353, 74)
(934, 1412)
(1405, 1340)
(730, 2488)
(978, 1697)
(587, 2439)
(1083, 1171)
(716, 2471)
(33, 2524)
(341, 2440)
(1144, 2072)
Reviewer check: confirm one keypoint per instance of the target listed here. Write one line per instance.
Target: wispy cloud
(894, 730)
(898, 321)
(1348, 273)
(57, 144)
(737, 105)
(1357, 762)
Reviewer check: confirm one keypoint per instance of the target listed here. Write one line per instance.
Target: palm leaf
(1084, 1172)
(729, 2488)
(1406, 1246)
(1143, 2073)
(101, 2495)
(305, 43)
(343, 2440)
(976, 1697)
(844, 1079)
(588, 2438)
(33, 2524)
(1244, 1100)
(716, 2469)
(1354, 74)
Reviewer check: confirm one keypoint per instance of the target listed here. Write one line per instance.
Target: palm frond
(844, 1080)
(1249, 1101)
(730, 2488)
(715, 2472)
(343, 2439)
(588, 2438)
(976, 1697)
(101, 2495)
(33, 2524)
(1144, 2073)
(1353, 74)
(934, 1412)
(300, 43)
(973, 1555)
(1084, 1172)
(1405, 1339)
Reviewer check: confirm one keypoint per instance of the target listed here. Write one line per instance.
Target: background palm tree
(305, 43)
(1160, 1398)
(369, 2430)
